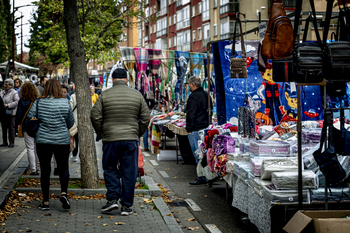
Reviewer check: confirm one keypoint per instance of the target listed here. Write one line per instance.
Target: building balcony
(146, 38)
(205, 42)
(229, 8)
(163, 11)
(184, 47)
(178, 3)
(226, 36)
(182, 24)
(161, 32)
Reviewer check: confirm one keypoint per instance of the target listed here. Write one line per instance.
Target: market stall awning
(20, 66)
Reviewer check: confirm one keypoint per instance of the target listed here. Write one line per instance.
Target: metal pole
(208, 65)
(326, 146)
(300, 178)
(21, 39)
(13, 39)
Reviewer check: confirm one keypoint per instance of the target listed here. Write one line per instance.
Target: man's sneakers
(111, 205)
(43, 206)
(198, 182)
(65, 202)
(126, 211)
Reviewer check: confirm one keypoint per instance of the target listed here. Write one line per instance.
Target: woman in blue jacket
(55, 117)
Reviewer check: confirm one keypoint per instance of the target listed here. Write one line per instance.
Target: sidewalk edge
(167, 215)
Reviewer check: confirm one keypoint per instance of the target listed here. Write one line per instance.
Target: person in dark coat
(29, 93)
(196, 117)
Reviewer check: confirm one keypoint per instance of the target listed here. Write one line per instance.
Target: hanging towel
(196, 63)
(181, 63)
(128, 56)
(141, 59)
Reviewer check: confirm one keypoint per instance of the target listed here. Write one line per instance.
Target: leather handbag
(238, 66)
(33, 124)
(283, 70)
(327, 160)
(20, 130)
(278, 39)
(337, 62)
(309, 57)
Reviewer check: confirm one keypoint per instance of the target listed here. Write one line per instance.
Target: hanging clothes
(128, 56)
(165, 71)
(196, 63)
(142, 82)
(153, 77)
(181, 64)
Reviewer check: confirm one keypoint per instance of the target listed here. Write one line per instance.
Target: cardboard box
(322, 221)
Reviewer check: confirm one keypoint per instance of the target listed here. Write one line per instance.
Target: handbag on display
(337, 63)
(309, 57)
(246, 120)
(283, 70)
(33, 124)
(336, 89)
(327, 160)
(20, 130)
(278, 39)
(238, 66)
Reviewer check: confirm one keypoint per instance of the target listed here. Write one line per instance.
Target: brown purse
(238, 65)
(278, 40)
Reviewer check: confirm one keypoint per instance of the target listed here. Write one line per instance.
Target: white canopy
(20, 66)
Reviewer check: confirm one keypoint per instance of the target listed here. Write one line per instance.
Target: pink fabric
(210, 159)
(141, 56)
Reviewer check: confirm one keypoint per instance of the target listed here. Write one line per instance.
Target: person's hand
(5, 105)
(189, 133)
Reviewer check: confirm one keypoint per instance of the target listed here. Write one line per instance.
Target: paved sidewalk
(85, 216)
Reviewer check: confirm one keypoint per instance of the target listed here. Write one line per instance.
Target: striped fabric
(128, 56)
(154, 64)
(166, 73)
(142, 82)
(196, 63)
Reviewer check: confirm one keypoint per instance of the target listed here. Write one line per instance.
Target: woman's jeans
(61, 153)
(145, 140)
(31, 152)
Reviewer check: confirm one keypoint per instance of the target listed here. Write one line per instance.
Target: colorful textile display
(128, 56)
(273, 99)
(142, 82)
(156, 138)
(181, 63)
(220, 164)
(166, 73)
(154, 68)
(196, 63)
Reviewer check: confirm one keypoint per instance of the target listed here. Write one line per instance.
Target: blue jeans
(120, 160)
(193, 138)
(145, 140)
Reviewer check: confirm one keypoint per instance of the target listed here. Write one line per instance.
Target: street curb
(167, 215)
(10, 184)
(153, 189)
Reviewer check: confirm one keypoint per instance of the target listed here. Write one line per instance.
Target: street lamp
(22, 37)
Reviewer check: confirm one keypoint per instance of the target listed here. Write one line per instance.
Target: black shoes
(198, 182)
(11, 145)
(4, 144)
(34, 173)
(111, 205)
(65, 202)
(55, 172)
(126, 211)
(42, 206)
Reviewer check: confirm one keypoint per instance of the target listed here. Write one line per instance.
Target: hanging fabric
(196, 63)
(153, 77)
(181, 62)
(142, 82)
(167, 62)
(128, 56)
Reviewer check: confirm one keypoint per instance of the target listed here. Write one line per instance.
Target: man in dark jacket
(197, 117)
(120, 116)
(40, 87)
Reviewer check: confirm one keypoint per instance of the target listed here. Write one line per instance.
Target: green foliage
(101, 24)
(5, 30)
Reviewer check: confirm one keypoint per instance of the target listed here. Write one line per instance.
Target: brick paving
(85, 216)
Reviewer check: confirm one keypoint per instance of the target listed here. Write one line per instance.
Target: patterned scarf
(166, 72)
(181, 64)
(141, 56)
(154, 69)
(128, 56)
(196, 63)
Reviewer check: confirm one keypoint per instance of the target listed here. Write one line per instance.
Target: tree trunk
(87, 149)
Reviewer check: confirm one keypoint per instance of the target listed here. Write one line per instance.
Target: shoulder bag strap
(306, 29)
(297, 20)
(233, 49)
(27, 111)
(314, 20)
(327, 21)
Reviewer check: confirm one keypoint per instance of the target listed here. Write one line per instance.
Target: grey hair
(9, 80)
(195, 80)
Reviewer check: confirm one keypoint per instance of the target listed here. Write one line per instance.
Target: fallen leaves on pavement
(119, 223)
(193, 228)
(191, 219)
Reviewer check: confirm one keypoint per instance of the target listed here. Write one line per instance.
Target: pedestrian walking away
(55, 117)
(10, 99)
(120, 116)
(29, 93)
(196, 118)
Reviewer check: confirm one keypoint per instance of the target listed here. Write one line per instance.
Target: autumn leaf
(175, 177)
(72, 214)
(105, 225)
(49, 220)
(193, 228)
(119, 223)
(38, 220)
(87, 224)
(205, 196)
(99, 216)
(191, 219)
(214, 226)
(20, 231)
(110, 216)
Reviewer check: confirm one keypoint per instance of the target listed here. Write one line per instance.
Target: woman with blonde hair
(55, 117)
(29, 93)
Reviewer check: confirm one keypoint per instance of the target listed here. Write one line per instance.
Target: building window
(205, 15)
(175, 41)
(199, 33)
(215, 30)
(199, 8)
(194, 35)
(169, 20)
(183, 18)
(175, 19)
(193, 11)
(215, 4)
(206, 29)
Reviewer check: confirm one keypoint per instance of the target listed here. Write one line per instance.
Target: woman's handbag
(327, 160)
(283, 70)
(20, 130)
(33, 124)
(9, 111)
(309, 57)
(246, 120)
(238, 65)
(73, 130)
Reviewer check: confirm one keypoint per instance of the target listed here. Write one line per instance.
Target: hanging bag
(341, 137)
(327, 160)
(337, 63)
(33, 124)
(246, 120)
(278, 39)
(20, 130)
(309, 57)
(238, 65)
